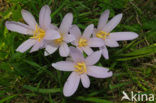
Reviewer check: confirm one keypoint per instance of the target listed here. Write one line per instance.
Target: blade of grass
(40, 90)
(93, 99)
(7, 98)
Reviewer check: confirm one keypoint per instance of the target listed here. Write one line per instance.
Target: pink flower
(81, 68)
(61, 43)
(39, 33)
(104, 29)
(84, 42)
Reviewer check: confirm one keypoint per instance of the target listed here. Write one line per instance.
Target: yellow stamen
(38, 33)
(59, 40)
(82, 42)
(80, 67)
(102, 35)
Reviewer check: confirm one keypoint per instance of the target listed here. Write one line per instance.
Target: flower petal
(71, 84)
(54, 27)
(88, 31)
(64, 66)
(75, 31)
(37, 46)
(52, 34)
(29, 19)
(93, 58)
(95, 42)
(104, 52)
(111, 43)
(87, 50)
(66, 23)
(98, 72)
(69, 38)
(103, 20)
(69, 59)
(64, 50)
(19, 27)
(112, 23)
(119, 36)
(26, 45)
(76, 54)
(44, 17)
(49, 50)
(85, 80)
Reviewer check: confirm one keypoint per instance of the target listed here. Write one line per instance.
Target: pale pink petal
(87, 50)
(19, 27)
(68, 38)
(74, 43)
(69, 59)
(95, 42)
(64, 66)
(76, 54)
(94, 32)
(26, 45)
(120, 36)
(52, 34)
(112, 23)
(103, 20)
(75, 31)
(43, 44)
(80, 49)
(66, 23)
(104, 52)
(85, 80)
(53, 26)
(29, 19)
(64, 50)
(49, 50)
(98, 72)
(71, 84)
(88, 31)
(111, 43)
(44, 17)
(93, 58)
(36, 46)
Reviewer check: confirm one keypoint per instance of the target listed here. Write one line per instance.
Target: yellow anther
(102, 35)
(82, 42)
(80, 67)
(59, 40)
(38, 33)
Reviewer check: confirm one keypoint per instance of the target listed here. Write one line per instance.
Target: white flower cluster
(48, 36)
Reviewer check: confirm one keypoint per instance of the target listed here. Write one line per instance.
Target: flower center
(38, 33)
(102, 35)
(82, 42)
(80, 68)
(59, 40)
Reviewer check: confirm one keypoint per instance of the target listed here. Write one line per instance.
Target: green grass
(29, 78)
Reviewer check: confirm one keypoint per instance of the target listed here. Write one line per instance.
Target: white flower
(65, 38)
(81, 68)
(40, 33)
(84, 42)
(104, 29)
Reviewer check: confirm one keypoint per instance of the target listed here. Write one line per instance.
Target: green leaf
(32, 63)
(7, 98)
(93, 99)
(150, 24)
(119, 85)
(138, 53)
(39, 90)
